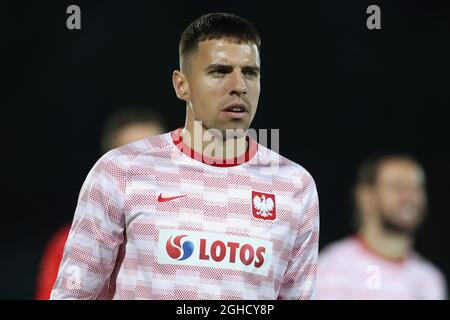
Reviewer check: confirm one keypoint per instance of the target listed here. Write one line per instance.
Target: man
(194, 213)
(379, 262)
(123, 126)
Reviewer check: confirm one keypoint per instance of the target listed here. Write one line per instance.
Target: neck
(394, 246)
(213, 143)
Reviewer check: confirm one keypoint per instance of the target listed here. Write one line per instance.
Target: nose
(238, 85)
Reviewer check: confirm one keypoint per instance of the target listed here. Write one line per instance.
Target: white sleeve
(96, 234)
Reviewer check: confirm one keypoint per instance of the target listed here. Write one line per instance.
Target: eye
(250, 73)
(218, 72)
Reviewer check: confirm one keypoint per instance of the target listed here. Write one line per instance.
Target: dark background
(336, 90)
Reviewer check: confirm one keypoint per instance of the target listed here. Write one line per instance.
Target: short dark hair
(368, 170)
(125, 116)
(217, 26)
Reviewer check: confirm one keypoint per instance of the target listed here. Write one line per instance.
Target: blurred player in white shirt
(379, 261)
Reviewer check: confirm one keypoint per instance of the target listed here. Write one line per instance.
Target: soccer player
(379, 261)
(204, 211)
(123, 126)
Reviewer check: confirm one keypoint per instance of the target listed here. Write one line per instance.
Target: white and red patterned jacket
(154, 221)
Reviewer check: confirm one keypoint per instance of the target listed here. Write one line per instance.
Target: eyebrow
(228, 68)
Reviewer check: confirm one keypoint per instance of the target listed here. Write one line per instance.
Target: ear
(365, 198)
(181, 85)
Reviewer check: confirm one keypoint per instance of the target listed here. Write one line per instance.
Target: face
(221, 84)
(134, 132)
(399, 195)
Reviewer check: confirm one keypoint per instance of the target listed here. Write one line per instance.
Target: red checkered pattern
(112, 249)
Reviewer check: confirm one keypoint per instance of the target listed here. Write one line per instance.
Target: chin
(238, 129)
(408, 226)
(400, 226)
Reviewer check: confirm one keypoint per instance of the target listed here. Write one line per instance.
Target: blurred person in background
(379, 262)
(124, 126)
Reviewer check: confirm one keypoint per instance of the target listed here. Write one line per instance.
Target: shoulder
(284, 168)
(434, 283)
(125, 156)
(426, 267)
(113, 168)
(144, 147)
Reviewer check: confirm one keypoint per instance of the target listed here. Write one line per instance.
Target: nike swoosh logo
(164, 199)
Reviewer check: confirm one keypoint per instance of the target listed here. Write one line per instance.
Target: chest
(233, 220)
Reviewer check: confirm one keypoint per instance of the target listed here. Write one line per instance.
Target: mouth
(236, 110)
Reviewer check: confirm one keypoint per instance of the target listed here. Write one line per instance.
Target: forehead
(228, 52)
(400, 170)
